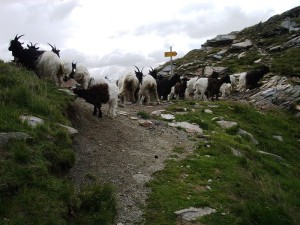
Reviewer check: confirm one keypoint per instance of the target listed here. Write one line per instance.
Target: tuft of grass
(287, 63)
(143, 115)
(97, 205)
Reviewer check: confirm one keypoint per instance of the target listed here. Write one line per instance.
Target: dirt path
(121, 152)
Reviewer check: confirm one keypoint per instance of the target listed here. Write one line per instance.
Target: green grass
(33, 187)
(254, 189)
(287, 63)
(143, 115)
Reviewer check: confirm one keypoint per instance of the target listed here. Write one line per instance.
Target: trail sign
(170, 54)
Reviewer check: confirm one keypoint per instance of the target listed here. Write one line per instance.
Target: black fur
(253, 76)
(214, 84)
(164, 86)
(95, 95)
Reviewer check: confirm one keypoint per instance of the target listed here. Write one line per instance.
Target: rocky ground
(122, 152)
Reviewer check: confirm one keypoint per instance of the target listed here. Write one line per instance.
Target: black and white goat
(250, 79)
(45, 64)
(178, 90)
(80, 74)
(98, 93)
(209, 87)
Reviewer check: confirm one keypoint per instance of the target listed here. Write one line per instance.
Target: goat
(225, 89)
(154, 74)
(164, 86)
(178, 90)
(26, 57)
(209, 87)
(189, 92)
(250, 79)
(80, 74)
(129, 87)
(32, 46)
(148, 89)
(100, 93)
(45, 64)
(55, 50)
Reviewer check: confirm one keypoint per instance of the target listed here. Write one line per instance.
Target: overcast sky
(109, 37)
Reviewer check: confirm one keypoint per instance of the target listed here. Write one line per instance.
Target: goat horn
(151, 68)
(17, 38)
(137, 68)
(142, 70)
(50, 46)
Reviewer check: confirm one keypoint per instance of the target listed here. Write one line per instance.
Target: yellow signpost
(171, 54)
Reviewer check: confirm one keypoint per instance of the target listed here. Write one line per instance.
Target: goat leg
(95, 111)
(99, 112)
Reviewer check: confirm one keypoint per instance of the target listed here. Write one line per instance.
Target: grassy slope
(254, 189)
(33, 189)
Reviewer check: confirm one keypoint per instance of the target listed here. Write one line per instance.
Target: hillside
(240, 166)
(274, 43)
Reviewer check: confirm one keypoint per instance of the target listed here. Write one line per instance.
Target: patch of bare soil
(122, 152)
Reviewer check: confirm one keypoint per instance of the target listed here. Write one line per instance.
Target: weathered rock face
(277, 91)
(221, 40)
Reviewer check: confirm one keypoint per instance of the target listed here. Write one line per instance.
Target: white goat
(49, 65)
(225, 89)
(128, 85)
(82, 76)
(148, 89)
(199, 87)
(189, 92)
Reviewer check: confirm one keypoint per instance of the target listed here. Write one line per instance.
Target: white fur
(148, 88)
(82, 76)
(200, 87)
(225, 89)
(242, 81)
(232, 80)
(49, 65)
(190, 87)
(172, 94)
(125, 93)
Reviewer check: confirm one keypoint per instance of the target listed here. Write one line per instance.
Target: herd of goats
(130, 87)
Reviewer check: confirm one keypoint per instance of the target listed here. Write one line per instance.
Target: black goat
(96, 95)
(253, 76)
(164, 86)
(154, 74)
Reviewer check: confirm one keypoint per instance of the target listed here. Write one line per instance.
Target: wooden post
(171, 63)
